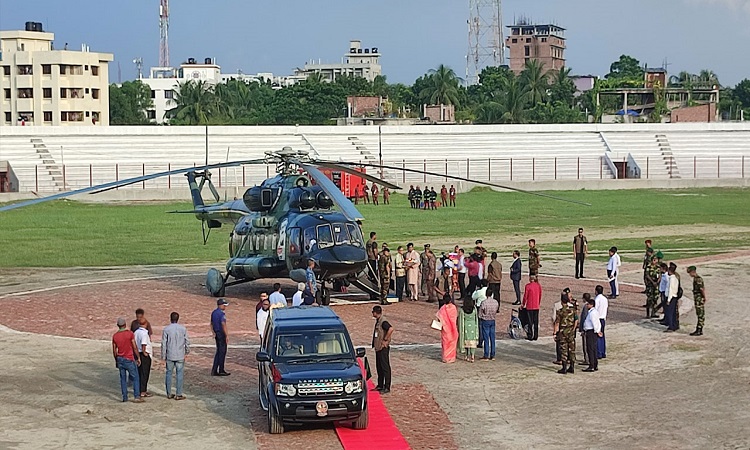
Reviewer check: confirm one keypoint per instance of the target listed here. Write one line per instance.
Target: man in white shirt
(671, 312)
(602, 305)
(592, 327)
(277, 299)
(297, 298)
(462, 270)
(145, 349)
(261, 318)
(613, 270)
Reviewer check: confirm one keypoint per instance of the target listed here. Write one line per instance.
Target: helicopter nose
(341, 259)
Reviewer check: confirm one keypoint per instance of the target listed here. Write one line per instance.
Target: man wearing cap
(564, 332)
(443, 196)
(423, 264)
(127, 360)
(372, 256)
(219, 331)
(564, 295)
(381, 342)
(652, 287)
(534, 263)
(429, 274)
(384, 271)
(699, 297)
(580, 250)
(410, 195)
(411, 262)
(647, 261)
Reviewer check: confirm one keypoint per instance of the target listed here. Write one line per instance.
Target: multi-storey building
(44, 86)
(543, 43)
(358, 62)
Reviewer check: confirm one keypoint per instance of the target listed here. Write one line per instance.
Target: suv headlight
(352, 387)
(287, 390)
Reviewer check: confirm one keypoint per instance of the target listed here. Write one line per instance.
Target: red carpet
(381, 433)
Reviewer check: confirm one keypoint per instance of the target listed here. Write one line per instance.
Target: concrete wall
(700, 113)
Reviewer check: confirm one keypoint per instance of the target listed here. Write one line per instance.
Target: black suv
(308, 370)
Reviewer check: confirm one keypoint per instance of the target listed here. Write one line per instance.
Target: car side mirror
(262, 357)
(361, 352)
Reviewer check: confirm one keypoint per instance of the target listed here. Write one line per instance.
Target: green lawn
(64, 233)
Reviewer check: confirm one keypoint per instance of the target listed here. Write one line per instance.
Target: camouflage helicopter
(281, 224)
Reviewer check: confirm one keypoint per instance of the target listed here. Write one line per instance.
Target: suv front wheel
(362, 421)
(275, 425)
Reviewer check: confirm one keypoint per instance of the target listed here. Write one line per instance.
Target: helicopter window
(325, 236)
(310, 240)
(340, 235)
(355, 234)
(294, 248)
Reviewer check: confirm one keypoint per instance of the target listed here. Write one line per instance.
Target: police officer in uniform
(566, 324)
(533, 258)
(433, 198)
(417, 197)
(410, 195)
(384, 271)
(699, 297)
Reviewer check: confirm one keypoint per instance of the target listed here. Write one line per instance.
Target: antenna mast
(164, 33)
(486, 43)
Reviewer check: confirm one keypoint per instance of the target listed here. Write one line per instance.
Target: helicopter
(284, 222)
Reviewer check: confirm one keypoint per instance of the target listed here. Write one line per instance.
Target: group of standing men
(427, 199)
(363, 192)
(133, 352)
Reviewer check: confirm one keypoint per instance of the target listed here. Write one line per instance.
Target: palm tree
(707, 79)
(194, 103)
(514, 101)
(534, 79)
(442, 87)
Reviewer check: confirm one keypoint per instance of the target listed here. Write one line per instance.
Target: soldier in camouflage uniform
(533, 258)
(384, 271)
(566, 324)
(699, 297)
(653, 276)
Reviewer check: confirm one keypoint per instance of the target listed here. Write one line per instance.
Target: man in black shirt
(381, 342)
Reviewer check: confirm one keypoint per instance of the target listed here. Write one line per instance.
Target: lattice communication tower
(164, 33)
(486, 43)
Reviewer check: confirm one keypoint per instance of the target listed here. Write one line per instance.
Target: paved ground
(654, 390)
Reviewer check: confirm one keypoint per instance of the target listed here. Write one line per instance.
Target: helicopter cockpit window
(340, 235)
(325, 236)
(294, 242)
(356, 236)
(311, 241)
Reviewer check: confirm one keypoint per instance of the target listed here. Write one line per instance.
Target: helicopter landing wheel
(323, 296)
(215, 283)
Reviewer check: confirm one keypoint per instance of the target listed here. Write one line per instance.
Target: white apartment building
(164, 81)
(44, 86)
(358, 62)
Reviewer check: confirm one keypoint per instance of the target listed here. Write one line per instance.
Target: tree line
(536, 95)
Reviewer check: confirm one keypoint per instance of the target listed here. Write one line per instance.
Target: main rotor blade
(347, 207)
(486, 183)
(373, 179)
(126, 182)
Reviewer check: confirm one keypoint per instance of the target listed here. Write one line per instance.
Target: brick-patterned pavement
(90, 312)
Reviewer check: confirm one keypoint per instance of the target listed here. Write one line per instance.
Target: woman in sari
(448, 317)
(468, 330)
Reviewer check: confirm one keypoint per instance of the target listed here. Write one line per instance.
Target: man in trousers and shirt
(580, 250)
(613, 270)
(592, 327)
(557, 306)
(494, 277)
(581, 321)
(145, 350)
(221, 335)
(672, 314)
(487, 313)
(399, 264)
(412, 271)
(532, 298)
(175, 346)
(663, 288)
(515, 275)
(381, 342)
(602, 305)
(564, 332)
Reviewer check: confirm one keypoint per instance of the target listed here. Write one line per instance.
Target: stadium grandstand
(50, 159)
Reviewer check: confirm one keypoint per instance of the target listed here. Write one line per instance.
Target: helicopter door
(293, 238)
(281, 244)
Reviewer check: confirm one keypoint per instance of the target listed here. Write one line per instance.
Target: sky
(413, 36)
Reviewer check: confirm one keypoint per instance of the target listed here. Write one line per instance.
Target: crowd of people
(363, 192)
(475, 278)
(427, 199)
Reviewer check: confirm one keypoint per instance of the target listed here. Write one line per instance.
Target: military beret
(660, 255)
(427, 246)
(691, 269)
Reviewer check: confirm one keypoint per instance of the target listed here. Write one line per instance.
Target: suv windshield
(312, 344)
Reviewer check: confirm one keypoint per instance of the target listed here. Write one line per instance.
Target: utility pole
(164, 33)
(486, 43)
(139, 67)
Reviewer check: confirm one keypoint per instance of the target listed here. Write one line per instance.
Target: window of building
(7, 93)
(86, 67)
(23, 46)
(47, 69)
(95, 70)
(95, 94)
(151, 114)
(7, 116)
(25, 70)
(26, 93)
(48, 116)
(95, 116)
(528, 40)
(63, 93)
(87, 114)
(87, 90)
(6, 71)
(71, 116)
(26, 117)
(169, 93)
(526, 51)
(544, 39)
(153, 93)
(515, 41)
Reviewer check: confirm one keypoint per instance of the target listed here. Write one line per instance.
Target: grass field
(687, 221)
